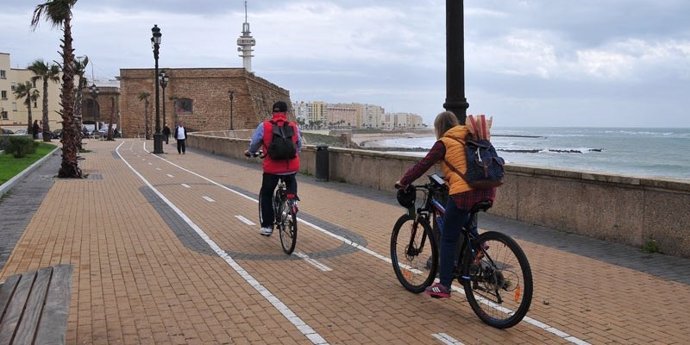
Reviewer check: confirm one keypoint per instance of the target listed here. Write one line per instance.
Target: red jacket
(279, 167)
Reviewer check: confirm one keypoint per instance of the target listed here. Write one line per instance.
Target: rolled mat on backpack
(479, 126)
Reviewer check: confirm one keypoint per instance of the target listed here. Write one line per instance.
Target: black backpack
(484, 166)
(282, 147)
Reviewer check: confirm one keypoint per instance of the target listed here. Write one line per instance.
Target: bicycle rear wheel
(497, 280)
(288, 231)
(414, 253)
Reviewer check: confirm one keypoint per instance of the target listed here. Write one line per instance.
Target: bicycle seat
(482, 206)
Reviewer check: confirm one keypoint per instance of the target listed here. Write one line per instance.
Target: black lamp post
(232, 97)
(158, 136)
(455, 61)
(94, 95)
(164, 78)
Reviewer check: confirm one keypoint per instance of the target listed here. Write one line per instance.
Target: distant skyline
(602, 63)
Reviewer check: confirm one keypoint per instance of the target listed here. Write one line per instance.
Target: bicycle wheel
(288, 230)
(414, 253)
(497, 280)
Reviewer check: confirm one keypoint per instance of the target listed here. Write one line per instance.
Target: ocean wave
(547, 150)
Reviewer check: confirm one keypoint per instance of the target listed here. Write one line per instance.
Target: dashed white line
(186, 185)
(208, 199)
(446, 339)
(150, 163)
(313, 262)
(171, 176)
(306, 330)
(245, 220)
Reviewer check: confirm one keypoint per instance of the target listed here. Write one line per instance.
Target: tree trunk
(78, 111)
(70, 165)
(46, 126)
(29, 117)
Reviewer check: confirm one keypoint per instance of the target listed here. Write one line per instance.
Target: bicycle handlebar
(259, 154)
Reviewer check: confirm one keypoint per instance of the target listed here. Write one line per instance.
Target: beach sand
(370, 139)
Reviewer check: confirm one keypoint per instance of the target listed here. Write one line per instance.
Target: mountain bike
(284, 213)
(491, 266)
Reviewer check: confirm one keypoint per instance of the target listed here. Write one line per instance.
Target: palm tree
(79, 70)
(59, 14)
(46, 72)
(27, 92)
(144, 96)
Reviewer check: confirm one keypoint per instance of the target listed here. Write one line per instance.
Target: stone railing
(628, 210)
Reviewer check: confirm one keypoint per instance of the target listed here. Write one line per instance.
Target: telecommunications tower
(245, 43)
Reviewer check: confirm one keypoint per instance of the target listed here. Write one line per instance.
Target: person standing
(35, 129)
(180, 136)
(275, 169)
(166, 133)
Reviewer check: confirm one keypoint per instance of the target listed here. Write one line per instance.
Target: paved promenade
(166, 250)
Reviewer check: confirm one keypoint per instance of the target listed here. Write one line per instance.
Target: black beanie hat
(279, 107)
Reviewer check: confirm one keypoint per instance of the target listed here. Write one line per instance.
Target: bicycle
(491, 266)
(284, 213)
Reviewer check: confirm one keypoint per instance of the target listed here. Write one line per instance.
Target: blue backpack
(484, 166)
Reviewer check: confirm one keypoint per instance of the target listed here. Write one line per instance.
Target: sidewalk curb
(5, 187)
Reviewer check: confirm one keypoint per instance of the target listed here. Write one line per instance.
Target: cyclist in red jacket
(273, 169)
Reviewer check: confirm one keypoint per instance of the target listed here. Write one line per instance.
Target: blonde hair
(444, 121)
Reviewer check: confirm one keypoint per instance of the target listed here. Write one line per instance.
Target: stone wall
(207, 88)
(619, 209)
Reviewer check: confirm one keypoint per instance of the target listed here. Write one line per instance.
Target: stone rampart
(621, 209)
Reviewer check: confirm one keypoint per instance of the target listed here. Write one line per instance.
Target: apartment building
(354, 115)
(13, 112)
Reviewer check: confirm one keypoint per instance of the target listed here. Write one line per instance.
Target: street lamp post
(455, 61)
(158, 136)
(94, 95)
(164, 78)
(232, 97)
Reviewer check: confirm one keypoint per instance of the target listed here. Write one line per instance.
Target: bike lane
(378, 266)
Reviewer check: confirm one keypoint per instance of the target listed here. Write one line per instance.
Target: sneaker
(438, 291)
(266, 231)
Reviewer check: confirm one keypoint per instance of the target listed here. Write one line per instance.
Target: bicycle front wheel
(288, 232)
(497, 280)
(414, 253)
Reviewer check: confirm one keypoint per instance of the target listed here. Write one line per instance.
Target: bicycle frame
(434, 208)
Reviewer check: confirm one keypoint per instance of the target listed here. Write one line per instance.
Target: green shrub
(20, 146)
(651, 246)
(4, 141)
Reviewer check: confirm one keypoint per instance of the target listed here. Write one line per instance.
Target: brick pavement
(144, 275)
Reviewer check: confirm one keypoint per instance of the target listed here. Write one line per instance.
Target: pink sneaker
(438, 291)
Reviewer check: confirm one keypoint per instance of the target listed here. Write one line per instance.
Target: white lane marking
(159, 169)
(446, 339)
(171, 176)
(313, 262)
(186, 185)
(529, 320)
(280, 306)
(208, 199)
(245, 220)
(150, 163)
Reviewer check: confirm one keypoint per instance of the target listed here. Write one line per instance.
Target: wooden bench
(34, 306)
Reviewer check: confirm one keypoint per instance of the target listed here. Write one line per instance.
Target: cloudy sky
(617, 63)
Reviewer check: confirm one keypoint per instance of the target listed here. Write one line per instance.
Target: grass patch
(12, 166)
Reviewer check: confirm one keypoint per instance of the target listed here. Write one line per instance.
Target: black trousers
(181, 146)
(268, 185)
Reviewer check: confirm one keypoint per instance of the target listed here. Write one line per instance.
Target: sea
(636, 152)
